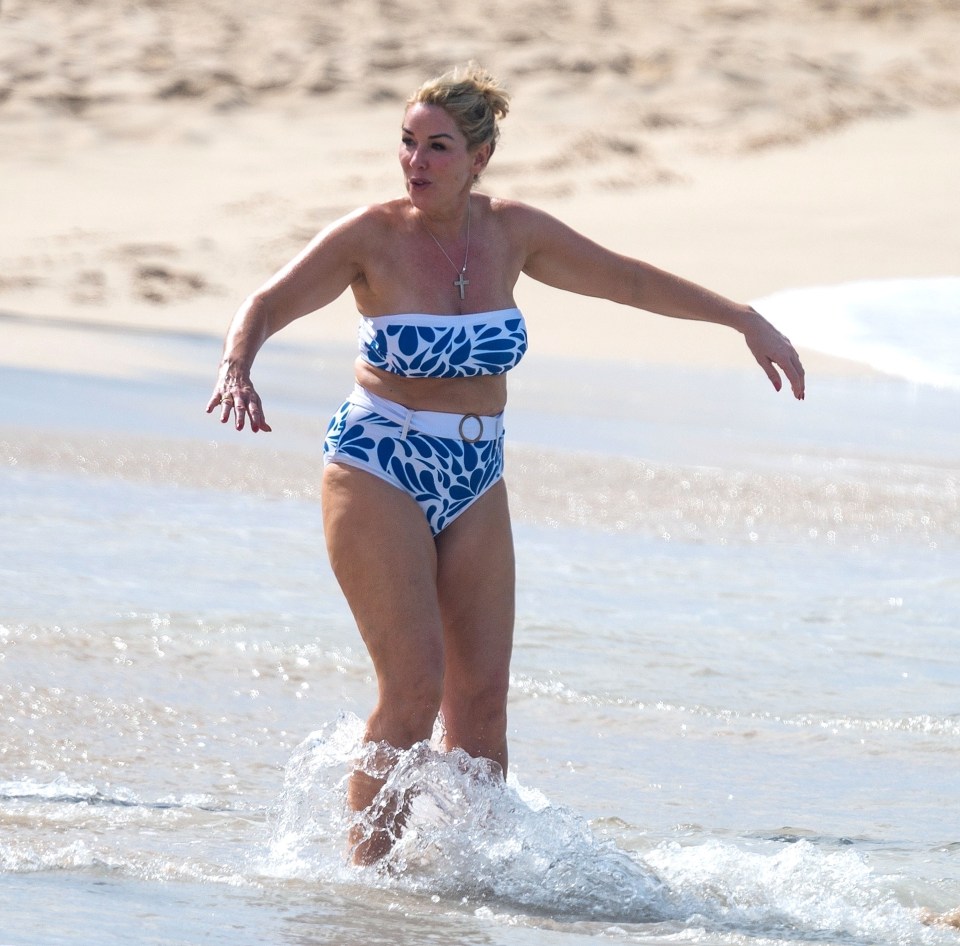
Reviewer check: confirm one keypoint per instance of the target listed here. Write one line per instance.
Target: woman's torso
(405, 274)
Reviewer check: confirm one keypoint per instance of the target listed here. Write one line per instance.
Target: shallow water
(735, 713)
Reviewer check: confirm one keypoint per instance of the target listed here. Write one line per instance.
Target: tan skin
(437, 614)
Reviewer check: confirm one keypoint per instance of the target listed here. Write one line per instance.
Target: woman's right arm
(330, 263)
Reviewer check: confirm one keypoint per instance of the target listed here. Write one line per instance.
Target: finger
(226, 405)
(801, 389)
(257, 420)
(215, 401)
(794, 372)
(772, 373)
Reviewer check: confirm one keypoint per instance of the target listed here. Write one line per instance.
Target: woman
(414, 505)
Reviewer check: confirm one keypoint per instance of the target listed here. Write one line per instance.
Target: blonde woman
(414, 503)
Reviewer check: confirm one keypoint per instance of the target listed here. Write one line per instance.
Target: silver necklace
(461, 282)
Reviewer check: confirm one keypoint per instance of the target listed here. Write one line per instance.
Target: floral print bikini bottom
(445, 462)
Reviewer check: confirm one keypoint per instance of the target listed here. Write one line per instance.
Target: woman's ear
(481, 159)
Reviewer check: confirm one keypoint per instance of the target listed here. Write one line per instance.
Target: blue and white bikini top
(444, 346)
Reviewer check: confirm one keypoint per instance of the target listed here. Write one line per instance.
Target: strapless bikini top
(444, 346)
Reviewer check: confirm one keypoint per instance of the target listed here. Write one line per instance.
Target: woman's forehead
(430, 120)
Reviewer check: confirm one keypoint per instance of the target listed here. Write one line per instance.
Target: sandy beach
(159, 161)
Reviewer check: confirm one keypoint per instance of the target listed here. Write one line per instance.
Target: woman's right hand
(235, 392)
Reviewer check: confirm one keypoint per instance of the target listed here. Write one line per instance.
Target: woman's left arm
(559, 256)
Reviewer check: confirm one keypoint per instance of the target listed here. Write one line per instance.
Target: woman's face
(437, 166)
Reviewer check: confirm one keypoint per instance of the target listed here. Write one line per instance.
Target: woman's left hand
(773, 349)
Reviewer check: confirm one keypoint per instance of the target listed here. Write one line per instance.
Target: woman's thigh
(384, 558)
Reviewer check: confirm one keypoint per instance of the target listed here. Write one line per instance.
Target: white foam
(909, 328)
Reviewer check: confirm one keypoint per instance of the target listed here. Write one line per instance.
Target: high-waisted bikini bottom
(446, 462)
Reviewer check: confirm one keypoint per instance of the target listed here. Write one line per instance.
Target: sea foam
(909, 328)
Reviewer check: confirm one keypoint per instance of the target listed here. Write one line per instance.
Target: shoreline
(669, 411)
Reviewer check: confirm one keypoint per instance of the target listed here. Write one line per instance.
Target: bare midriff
(483, 394)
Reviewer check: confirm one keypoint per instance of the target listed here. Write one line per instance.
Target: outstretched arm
(559, 256)
(315, 277)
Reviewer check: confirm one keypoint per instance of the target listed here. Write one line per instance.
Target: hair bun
(473, 97)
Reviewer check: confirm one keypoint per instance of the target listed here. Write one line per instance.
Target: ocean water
(905, 327)
(735, 711)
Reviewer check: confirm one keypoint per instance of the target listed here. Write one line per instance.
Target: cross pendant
(461, 284)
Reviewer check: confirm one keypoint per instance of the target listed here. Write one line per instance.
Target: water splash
(475, 841)
(468, 835)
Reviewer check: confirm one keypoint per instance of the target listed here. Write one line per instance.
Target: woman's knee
(480, 710)
(406, 713)
(491, 707)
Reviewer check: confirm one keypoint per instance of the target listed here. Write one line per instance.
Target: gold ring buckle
(463, 436)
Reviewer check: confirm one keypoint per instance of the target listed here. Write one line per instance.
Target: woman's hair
(474, 100)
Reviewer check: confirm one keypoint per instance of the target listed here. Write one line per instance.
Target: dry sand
(160, 159)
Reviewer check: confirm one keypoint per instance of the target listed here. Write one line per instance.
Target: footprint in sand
(159, 283)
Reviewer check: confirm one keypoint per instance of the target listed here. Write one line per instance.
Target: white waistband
(441, 321)
(469, 427)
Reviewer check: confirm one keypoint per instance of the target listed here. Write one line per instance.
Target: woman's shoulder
(506, 208)
(371, 216)
(522, 219)
(518, 213)
(362, 229)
